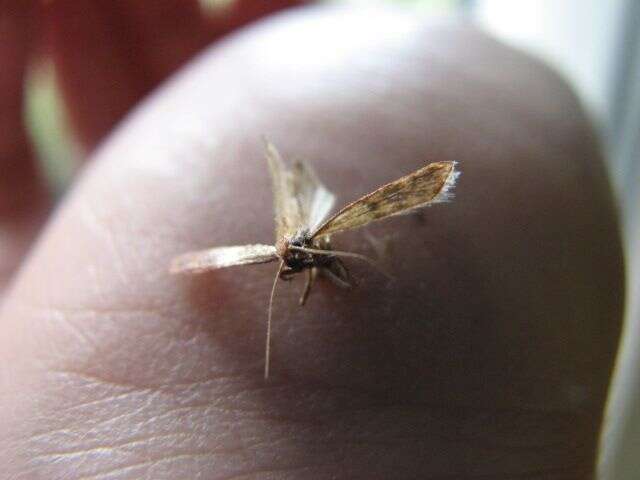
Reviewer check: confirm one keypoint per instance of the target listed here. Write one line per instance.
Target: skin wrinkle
(565, 473)
(231, 476)
(342, 444)
(149, 398)
(71, 320)
(117, 446)
(146, 463)
(293, 470)
(164, 387)
(316, 439)
(61, 311)
(345, 415)
(157, 419)
(173, 457)
(75, 330)
(101, 229)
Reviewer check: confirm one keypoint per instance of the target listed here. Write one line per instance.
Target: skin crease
(489, 356)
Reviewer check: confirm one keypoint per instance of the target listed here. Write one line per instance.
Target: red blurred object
(108, 55)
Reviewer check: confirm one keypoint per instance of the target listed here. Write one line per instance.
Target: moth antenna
(339, 253)
(267, 351)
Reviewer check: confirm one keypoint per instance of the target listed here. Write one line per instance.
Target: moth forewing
(285, 204)
(418, 189)
(222, 257)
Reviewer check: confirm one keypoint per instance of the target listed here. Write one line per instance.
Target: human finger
(473, 362)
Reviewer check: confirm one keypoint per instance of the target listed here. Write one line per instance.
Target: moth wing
(222, 257)
(315, 201)
(421, 188)
(288, 216)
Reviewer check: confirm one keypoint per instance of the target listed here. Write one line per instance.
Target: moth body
(293, 251)
(295, 260)
(299, 253)
(303, 226)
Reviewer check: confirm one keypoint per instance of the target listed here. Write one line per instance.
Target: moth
(304, 228)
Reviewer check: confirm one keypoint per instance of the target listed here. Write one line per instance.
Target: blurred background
(594, 44)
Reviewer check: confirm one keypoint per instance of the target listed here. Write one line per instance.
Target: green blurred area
(47, 121)
(48, 126)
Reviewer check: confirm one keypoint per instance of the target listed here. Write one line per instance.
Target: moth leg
(287, 274)
(311, 277)
(338, 273)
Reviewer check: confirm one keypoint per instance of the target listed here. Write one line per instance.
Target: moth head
(293, 258)
(301, 238)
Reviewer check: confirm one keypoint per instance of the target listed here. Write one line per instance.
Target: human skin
(488, 356)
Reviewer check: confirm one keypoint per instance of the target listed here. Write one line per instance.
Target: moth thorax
(301, 238)
(295, 259)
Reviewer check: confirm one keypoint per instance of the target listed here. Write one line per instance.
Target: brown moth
(302, 204)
